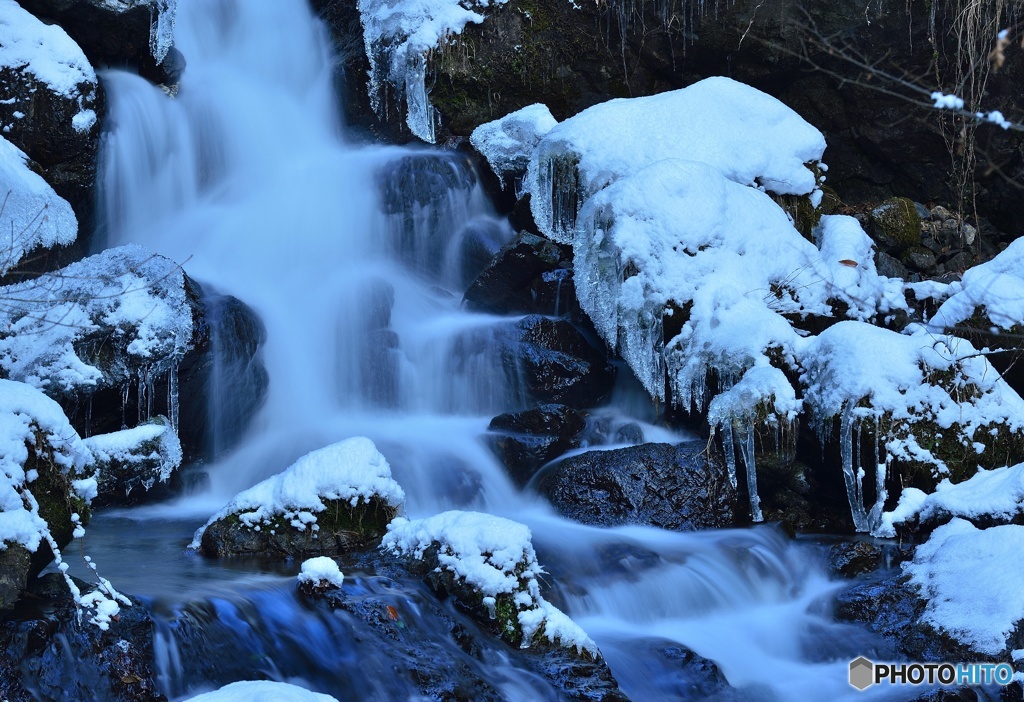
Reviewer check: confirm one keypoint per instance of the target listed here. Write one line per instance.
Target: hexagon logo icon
(862, 673)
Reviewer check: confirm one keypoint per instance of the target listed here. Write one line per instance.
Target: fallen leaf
(849, 263)
(392, 613)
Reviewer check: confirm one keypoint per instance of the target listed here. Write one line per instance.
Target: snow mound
(24, 412)
(508, 143)
(971, 580)
(352, 471)
(989, 494)
(749, 137)
(399, 35)
(996, 286)
(848, 254)
(32, 215)
(495, 558)
(261, 691)
(126, 301)
(320, 572)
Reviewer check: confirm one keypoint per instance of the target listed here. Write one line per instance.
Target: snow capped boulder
(49, 104)
(319, 575)
(331, 500)
(746, 135)
(680, 487)
(44, 488)
(262, 691)
(489, 565)
(936, 408)
(130, 462)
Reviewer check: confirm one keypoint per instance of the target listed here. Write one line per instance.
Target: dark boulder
(673, 487)
(851, 559)
(558, 364)
(530, 274)
(525, 441)
(49, 651)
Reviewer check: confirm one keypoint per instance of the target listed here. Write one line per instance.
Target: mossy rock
(14, 567)
(896, 224)
(340, 528)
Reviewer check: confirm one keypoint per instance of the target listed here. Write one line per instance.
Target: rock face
(673, 487)
(529, 275)
(525, 441)
(558, 364)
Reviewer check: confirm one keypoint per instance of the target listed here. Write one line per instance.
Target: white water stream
(247, 178)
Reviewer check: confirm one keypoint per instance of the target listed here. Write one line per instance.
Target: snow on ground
(321, 572)
(749, 137)
(971, 580)
(261, 691)
(495, 557)
(989, 494)
(352, 470)
(398, 35)
(508, 143)
(126, 298)
(32, 215)
(997, 286)
(23, 412)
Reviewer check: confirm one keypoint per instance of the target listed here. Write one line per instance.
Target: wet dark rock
(673, 487)
(890, 266)
(851, 559)
(225, 367)
(920, 259)
(559, 364)
(342, 527)
(14, 566)
(529, 274)
(525, 441)
(48, 651)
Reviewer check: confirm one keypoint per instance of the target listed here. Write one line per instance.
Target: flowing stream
(248, 179)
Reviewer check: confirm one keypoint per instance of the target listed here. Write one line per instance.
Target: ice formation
(508, 143)
(125, 298)
(748, 136)
(399, 36)
(32, 215)
(494, 557)
(352, 470)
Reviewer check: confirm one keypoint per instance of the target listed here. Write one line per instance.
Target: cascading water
(355, 259)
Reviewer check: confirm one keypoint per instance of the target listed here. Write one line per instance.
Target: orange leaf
(392, 613)
(849, 262)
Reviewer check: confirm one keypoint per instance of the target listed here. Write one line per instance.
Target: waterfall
(355, 259)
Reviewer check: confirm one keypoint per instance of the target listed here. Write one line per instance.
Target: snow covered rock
(331, 500)
(988, 498)
(673, 487)
(937, 408)
(262, 691)
(508, 143)
(49, 108)
(400, 36)
(101, 322)
(134, 460)
(320, 574)
(44, 489)
(970, 579)
(32, 214)
(489, 565)
(746, 135)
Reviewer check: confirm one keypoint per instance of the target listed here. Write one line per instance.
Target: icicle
(730, 451)
(172, 397)
(747, 449)
(881, 472)
(88, 417)
(124, 403)
(853, 488)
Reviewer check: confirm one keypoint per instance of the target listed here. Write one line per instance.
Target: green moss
(897, 223)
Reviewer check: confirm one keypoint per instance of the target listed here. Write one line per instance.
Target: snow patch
(997, 286)
(321, 572)
(262, 691)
